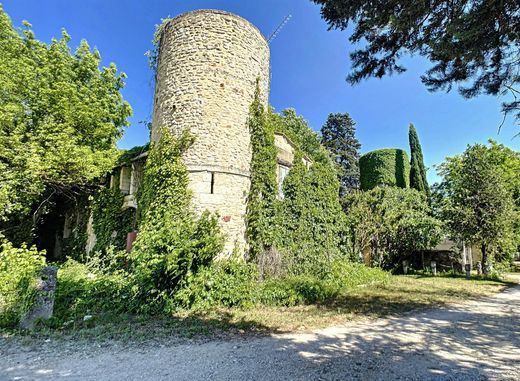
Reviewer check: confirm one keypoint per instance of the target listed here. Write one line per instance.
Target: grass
(400, 294)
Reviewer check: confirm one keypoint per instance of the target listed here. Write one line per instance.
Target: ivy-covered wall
(307, 224)
(388, 166)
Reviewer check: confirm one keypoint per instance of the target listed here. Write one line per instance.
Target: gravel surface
(478, 340)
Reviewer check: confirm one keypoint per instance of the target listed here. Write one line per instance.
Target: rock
(44, 300)
(87, 317)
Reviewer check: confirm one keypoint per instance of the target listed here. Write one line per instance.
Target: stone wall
(208, 65)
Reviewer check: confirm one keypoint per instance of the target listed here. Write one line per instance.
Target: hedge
(388, 166)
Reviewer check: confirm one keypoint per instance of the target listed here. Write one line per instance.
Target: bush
(229, 283)
(308, 289)
(389, 166)
(85, 289)
(19, 268)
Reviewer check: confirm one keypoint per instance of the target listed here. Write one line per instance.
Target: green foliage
(172, 244)
(111, 223)
(391, 223)
(341, 277)
(226, 283)
(311, 220)
(153, 55)
(384, 167)
(417, 170)
(92, 287)
(476, 199)
(306, 225)
(260, 218)
(60, 117)
(473, 44)
(19, 268)
(338, 135)
(297, 129)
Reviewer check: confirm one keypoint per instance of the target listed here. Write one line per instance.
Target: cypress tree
(417, 169)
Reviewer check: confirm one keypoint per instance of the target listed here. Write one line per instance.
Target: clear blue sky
(309, 65)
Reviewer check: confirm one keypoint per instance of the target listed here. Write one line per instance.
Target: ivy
(307, 225)
(172, 243)
(261, 214)
(386, 167)
(111, 222)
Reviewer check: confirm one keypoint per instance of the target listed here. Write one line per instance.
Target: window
(282, 173)
(125, 179)
(212, 185)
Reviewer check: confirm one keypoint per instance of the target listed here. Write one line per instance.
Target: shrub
(85, 289)
(341, 277)
(294, 290)
(19, 268)
(227, 283)
(388, 166)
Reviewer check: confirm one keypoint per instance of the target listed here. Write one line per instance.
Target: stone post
(43, 305)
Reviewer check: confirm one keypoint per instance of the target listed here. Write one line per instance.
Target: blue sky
(309, 65)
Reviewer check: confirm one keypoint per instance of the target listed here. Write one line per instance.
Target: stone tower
(207, 69)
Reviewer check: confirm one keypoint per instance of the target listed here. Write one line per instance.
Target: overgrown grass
(350, 292)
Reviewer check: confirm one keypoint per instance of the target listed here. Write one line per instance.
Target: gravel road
(478, 340)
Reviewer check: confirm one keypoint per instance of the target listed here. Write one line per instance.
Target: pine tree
(338, 135)
(417, 170)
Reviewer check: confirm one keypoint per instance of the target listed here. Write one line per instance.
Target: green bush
(89, 289)
(388, 166)
(295, 290)
(308, 289)
(19, 268)
(227, 283)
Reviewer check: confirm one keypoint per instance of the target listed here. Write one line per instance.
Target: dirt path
(475, 341)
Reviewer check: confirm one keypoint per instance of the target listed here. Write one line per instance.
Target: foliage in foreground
(473, 44)
(97, 287)
(18, 270)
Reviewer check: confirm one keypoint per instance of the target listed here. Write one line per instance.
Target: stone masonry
(208, 65)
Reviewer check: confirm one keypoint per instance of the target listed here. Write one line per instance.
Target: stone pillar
(43, 305)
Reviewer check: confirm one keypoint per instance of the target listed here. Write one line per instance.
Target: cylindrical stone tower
(208, 65)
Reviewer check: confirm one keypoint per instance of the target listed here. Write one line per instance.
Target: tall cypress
(417, 170)
(338, 135)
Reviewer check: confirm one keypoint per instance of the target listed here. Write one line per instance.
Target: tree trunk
(485, 267)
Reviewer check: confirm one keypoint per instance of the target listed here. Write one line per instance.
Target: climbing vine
(260, 219)
(172, 243)
(111, 223)
(307, 225)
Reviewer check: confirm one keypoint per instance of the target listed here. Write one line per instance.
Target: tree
(338, 135)
(477, 202)
(391, 223)
(417, 169)
(474, 44)
(60, 117)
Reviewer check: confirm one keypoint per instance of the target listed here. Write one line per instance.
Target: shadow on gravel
(478, 341)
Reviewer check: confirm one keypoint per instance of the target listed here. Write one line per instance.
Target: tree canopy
(60, 118)
(476, 197)
(473, 44)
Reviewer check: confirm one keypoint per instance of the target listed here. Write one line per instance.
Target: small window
(125, 180)
(282, 174)
(212, 186)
